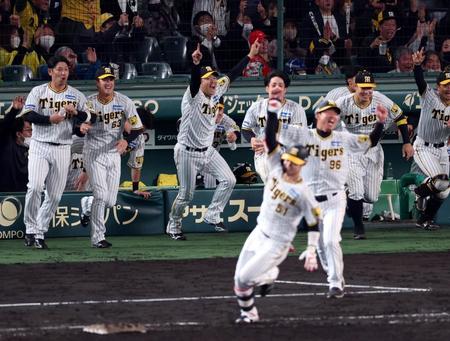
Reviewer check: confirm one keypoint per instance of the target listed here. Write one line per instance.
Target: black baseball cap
(206, 71)
(104, 72)
(386, 15)
(443, 78)
(364, 79)
(327, 104)
(296, 154)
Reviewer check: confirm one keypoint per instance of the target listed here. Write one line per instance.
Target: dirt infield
(388, 297)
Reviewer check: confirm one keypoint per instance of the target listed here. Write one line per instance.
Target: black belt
(54, 143)
(192, 149)
(321, 198)
(435, 145)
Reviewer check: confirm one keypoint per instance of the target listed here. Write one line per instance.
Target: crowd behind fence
(156, 37)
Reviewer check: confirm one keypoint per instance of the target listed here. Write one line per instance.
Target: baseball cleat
(102, 244)
(429, 225)
(218, 227)
(359, 236)
(40, 244)
(247, 317)
(84, 220)
(177, 236)
(29, 240)
(335, 293)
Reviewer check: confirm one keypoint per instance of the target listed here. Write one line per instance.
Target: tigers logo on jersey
(133, 120)
(363, 138)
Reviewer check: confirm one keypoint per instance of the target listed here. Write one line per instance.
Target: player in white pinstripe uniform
(254, 124)
(286, 200)
(326, 173)
(104, 145)
(77, 179)
(194, 152)
(51, 108)
(366, 170)
(431, 143)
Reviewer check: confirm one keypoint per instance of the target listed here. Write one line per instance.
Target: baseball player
(135, 162)
(194, 152)
(342, 91)
(51, 108)
(104, 145)
(77, 179)
(366, 170)
(254, 124)
(286, 200)
(326, 173)
(431, 143)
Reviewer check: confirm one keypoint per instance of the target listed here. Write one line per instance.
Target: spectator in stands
(44, 41)
(403, 60)
(78, 24)
(206, 35)
(425, 31)
(377, 50)
(161, 18)
(291, 42)
(324, 31)
(432, 62)
(5, 12)
(259, 65)
(445, 53)
(77, 71)
(32, 14)
(219, 11)
(15, 135)
(16, 51)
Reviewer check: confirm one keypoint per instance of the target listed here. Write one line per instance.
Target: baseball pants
(259, 259)
(104, 173)
(329, 248)
(48, 166)
(189, 164)
(261, 166)
(431, 160)
(365, 175)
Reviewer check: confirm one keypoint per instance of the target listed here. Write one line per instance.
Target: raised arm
(273, 107)
(377, 132)
(237, 70)
(194, 86)
(418, 58)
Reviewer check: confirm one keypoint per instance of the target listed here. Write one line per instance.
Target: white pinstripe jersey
(285, 204)
(434, 116)
(256, 116)
(226, 125)
(359, 120)
(326, 168)
(46, 101)
(336, 93)
(76, 163)
(108, 128)
(198, 116)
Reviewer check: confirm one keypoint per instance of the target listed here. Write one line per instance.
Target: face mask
(15, 42)
(324, 60)
(26, 141)
(246, 30)
(46, 41)
(204, 29)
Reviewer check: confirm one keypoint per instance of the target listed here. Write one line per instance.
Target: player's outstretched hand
(56, 118)
(121, 146)
(84, 127)
(257, 145)
(70, 110)
(407, 151)
(80, 183)
(143, 194)
(309, 255)
(197, 55)
(382, 113)
(254, 49)
(231, 137)
(418, 57)
(18, 102)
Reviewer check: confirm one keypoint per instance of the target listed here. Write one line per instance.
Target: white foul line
(375, 290)
(359, 286)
